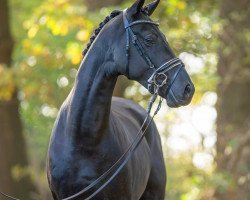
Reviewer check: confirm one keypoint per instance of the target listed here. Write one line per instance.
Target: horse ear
(150, 8)
(135, 8)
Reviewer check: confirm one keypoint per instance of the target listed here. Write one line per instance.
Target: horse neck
(90, 99)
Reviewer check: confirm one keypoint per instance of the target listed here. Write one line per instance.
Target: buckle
(160, 79)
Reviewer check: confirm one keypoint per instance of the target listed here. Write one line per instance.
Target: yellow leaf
(73, 52)
(33, 31)
(64, 29)
(181, 5)
(76, 59)
(82, 35)
(7, 83)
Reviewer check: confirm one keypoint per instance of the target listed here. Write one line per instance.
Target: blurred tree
(97, 4)
(233, 121)
(14, 174)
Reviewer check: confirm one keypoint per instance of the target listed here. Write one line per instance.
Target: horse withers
(93, 129)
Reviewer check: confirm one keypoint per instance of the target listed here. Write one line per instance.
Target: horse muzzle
(181, 90)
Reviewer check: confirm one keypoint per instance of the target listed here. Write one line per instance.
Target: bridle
(158, 77)
(157, 80)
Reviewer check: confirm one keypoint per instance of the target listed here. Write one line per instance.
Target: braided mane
(97, 30)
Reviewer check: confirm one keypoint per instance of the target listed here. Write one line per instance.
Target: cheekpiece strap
(126, 24)
(129, 32)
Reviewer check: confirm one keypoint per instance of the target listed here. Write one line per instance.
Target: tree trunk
(233, 106)
(14, 177)
(6, 42)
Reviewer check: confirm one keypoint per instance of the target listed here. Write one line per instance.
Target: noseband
(158, 77)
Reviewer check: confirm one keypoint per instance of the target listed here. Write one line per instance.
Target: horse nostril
(187, 90)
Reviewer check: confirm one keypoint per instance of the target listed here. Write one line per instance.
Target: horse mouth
(174, 102)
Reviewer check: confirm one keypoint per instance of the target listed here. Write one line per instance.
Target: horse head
(143, 54)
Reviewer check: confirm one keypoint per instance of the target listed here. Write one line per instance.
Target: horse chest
(73, 167)
(70, 177)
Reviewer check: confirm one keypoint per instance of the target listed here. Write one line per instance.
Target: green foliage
(185, 181)
(47, 56)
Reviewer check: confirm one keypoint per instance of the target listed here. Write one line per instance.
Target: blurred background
(206, 144)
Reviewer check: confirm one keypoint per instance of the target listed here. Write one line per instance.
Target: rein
(155, 82)
(8, 196)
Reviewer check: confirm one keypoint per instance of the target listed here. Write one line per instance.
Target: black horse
(93, 129)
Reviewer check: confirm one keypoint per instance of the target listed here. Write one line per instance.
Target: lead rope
(8, 196)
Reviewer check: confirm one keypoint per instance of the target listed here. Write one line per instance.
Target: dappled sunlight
(202, 160)
(193, 126)
(63, 81)
(192, 63)
(178, 144)
(203, 119)
(184, 131)
(188, 135)
(48, 111)
(31, 61)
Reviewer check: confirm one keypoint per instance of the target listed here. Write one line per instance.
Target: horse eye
(149, 40)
